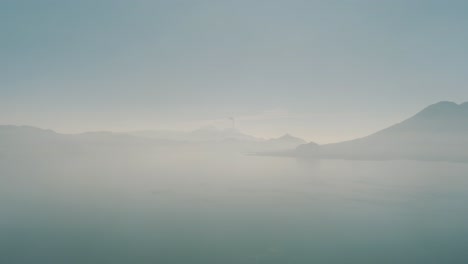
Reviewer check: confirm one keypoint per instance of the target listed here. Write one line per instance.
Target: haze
(325, 71)
(233, 132)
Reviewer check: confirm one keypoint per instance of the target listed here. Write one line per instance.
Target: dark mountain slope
(438, 132)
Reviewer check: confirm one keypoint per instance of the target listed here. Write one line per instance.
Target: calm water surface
(205, 208)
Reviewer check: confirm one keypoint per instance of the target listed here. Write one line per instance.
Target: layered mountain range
(438, 132)
(26, 140)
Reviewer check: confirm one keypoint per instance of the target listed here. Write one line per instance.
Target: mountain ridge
(438, 132)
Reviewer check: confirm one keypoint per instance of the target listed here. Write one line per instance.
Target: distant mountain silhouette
(284, 142)
(287, 138)
(28, 136)
(31, 141)
(208, 133)
(438, 132)
(224, 139)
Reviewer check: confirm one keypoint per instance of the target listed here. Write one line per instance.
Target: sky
(322, 70)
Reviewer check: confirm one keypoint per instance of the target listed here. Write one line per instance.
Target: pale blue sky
(323, 70)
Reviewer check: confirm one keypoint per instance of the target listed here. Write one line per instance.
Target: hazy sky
(323, 70)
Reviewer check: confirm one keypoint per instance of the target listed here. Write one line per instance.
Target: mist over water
(233, 132)
(193, 206)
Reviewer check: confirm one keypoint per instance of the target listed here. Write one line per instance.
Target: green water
(205, 208)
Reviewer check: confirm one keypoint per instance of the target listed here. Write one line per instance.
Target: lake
(204, 207)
